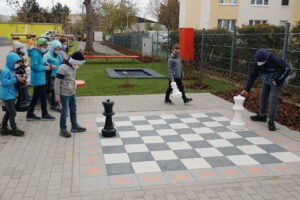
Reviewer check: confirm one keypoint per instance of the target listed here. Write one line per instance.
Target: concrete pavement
(43, 165)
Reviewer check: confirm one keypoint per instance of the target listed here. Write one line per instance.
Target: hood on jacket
(49, 54)
(33, 51)
(11, 60)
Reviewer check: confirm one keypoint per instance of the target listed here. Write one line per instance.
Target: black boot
(259, 117)
(5, 131)
(187, 100)
(271, 125)
(17, 132)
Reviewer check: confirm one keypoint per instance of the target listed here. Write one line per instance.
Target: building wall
(190, 13)
(273, 13)
(296, 12)
(205, 14)
(7, 28)
(218, 11)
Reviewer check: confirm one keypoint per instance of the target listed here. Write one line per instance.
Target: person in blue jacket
(53, 57)
(273, 72)
(38, 80)
(8, 93)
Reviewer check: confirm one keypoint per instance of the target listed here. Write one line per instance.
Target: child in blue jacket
(53, 57)
(38, 80)
(8, 93)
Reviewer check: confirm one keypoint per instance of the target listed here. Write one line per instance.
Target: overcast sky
(74, 5)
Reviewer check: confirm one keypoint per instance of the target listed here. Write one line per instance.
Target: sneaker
(169, 102)
(78, 129)
(5, 131)
(271, 126)
(258, 117)
(188, 100)
(56, 108)
(65, 134)
(17, 132)
(48, 118)
(32, 117)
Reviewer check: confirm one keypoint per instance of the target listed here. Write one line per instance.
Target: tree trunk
(89, 26)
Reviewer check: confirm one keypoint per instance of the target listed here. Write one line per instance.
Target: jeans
(38, 92)
(10, 114)
(180, 87)
(27, 95)
(269, 95)
(68, 102)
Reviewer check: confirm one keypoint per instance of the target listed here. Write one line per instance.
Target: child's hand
(57, 99)
(47, 67)
(53, 66)
(21, 79)
(244, 93)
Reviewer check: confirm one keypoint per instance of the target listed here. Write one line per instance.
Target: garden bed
(288, 114)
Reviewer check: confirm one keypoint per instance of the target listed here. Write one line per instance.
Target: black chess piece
(109, 129)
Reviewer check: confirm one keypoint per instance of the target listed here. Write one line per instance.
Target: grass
(98, 82)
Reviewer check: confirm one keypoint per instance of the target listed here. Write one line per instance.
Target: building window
(228, 2)
(260, 2)
(285, 2)
(226, 24)
(254, 22)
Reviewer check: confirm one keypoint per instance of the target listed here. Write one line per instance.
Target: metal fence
(231, 54)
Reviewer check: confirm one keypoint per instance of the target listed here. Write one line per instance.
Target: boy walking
(175, 75)
(8, 93)
(64, 86)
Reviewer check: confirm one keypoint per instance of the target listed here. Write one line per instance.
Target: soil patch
(126, 86)
(198, 86)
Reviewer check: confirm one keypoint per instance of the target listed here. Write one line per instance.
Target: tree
(89, 25)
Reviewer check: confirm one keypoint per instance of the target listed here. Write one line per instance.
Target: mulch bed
(126, 86)
(288, 114)
(144, 59)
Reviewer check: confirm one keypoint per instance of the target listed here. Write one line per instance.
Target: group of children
(48, 66)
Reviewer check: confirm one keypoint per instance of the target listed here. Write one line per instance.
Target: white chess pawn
(176, 93)
(237, 122)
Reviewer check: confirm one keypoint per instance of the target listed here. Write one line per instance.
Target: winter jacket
(64, 55)
(8, 78)
(51, 59)
(64, 83)
(275, 69)
(38, 68)
(175, 67)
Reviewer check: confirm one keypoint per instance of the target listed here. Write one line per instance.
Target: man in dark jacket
(175, 74)
(273, 72)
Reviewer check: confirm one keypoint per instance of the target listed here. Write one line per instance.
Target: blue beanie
(262, 55)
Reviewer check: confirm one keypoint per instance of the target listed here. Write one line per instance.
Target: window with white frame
(259, 2)
(282, 22)
(226, 23)
(285, 2)
(254, 22)
(228, 2)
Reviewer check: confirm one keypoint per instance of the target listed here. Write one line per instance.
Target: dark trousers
(10, 114)
(180, 87)
(269, 95)
(52, 101)
(68, 102)
(38, 92)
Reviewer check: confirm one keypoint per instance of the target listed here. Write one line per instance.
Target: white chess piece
(176, 93)
(237, 122)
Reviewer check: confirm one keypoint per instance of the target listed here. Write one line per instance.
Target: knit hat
(18, 45)
(77, 58)
(42, 41)
(262, 55)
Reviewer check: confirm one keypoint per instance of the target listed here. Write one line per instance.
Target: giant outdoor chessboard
(184, 141)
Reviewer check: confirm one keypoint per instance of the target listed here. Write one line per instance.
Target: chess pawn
(176, 93)
(237, 122)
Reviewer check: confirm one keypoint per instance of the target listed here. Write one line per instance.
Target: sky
(74, 5)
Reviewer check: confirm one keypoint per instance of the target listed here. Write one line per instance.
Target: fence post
(286, 40)
(202, 48)
(232, 52)
(157, 41)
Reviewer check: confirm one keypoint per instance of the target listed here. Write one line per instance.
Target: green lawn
(98, 82)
